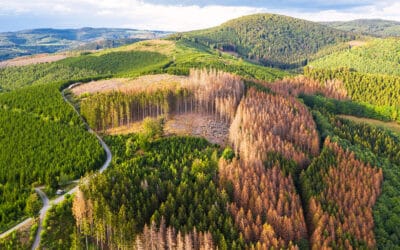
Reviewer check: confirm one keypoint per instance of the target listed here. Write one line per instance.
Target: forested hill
(273, 40)
(373, 27)
(30, 42)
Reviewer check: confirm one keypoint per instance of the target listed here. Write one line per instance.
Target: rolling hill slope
(294, 175)
(372, 27)
(273, 40)
(379, 56)
(29, 42)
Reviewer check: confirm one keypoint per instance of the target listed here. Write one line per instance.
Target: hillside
(372, 27)
(370, 72)
(200, 146)
(378, 56)
(273, 40)
(155, 56)
(32, 107)
(29, 42)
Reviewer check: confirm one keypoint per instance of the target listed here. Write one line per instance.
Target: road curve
(42, 214)
(48, 204)
(19, 225)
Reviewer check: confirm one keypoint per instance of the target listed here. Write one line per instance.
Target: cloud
(176, 15)
(388, 10)
(125, 13)
(272, 4)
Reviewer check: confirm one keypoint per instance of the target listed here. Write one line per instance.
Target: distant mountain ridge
(47, 40)
(372, 27)
(273, 40)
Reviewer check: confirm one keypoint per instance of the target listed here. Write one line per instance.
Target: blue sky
(174, 15)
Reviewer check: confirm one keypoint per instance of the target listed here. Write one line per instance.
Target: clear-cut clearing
(207, 126)
(28, 60)
(142, 83)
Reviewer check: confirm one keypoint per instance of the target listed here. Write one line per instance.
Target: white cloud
(387, 9)
(142, 15)
(180, 18)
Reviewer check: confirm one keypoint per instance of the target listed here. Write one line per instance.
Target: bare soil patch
(142, 83)
(206, 126)
(35, 59)
(199, 125)
(356, 43)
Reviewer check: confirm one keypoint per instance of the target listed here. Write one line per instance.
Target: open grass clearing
(164, 47)
(393, 126)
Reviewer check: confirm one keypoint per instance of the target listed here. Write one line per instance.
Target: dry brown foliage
(163, 237)
(303, 85)
(353, 187)
(273, 123)
(266, 208)
(204, 92)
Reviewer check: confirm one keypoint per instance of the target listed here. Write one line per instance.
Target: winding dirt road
(47, 204)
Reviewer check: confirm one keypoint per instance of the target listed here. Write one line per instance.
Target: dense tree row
(301, 85)
(170, 178)
(266, 123)
(375, 89)
(273, 40)
(341, 193)
(163, 237)
(215, 92)
(266, 207)
(210, 92)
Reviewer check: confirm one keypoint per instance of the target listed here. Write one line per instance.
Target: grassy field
(393, 126)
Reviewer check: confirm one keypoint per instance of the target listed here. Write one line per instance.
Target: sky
(173, 15)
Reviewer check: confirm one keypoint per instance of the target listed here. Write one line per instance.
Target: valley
(267, 132)
(39, 41)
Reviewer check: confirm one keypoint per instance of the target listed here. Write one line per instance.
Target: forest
(169, 182)
(263, 217)
(304, 198)
(40, 131)
(273, 40)
(60, 151)
(380, 90)
(292, 173)
(340, 192)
